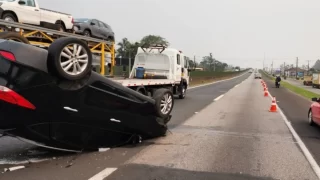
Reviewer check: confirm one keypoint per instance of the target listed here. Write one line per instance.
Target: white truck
(158, 67)
(29, 12)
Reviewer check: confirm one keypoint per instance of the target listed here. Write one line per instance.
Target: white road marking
(70, 109)
(236, 85)
(13, 168)
(219, 97)
(302, 146)
(103, 174)
(115, 120)
(217, 81)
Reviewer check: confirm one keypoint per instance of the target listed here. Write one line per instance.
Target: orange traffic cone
(266, 94)
(273, 107)
(265, 89)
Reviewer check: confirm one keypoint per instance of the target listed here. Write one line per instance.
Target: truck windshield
(80, 20)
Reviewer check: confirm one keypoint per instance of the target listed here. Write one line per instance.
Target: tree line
(128, 49)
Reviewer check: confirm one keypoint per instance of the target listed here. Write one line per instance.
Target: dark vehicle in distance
(93, 28)
(51, 98)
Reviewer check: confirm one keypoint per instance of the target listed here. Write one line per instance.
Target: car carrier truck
(155, 66)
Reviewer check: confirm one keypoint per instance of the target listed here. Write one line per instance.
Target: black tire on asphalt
(183, 91)
(9, 14)
(14, 36)
(53, 60)
(158, 96)
(310, 121)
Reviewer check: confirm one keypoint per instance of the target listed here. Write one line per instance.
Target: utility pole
(284, 68)
(214, 65)
(297, 61)
(308, 65)
(194, 62)
(264, 59)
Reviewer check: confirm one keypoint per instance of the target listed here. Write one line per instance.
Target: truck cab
(159, 62)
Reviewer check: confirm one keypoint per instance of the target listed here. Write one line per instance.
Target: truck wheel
(164, 102)
(183, 92)
(9, 17)
(69, 58)
(13, 36)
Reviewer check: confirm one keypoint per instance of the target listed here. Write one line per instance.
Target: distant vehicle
(93, 28)
(314, 112)
(29, 12)
(257, 76)
(250, 71)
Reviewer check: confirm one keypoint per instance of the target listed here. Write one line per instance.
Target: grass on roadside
(206, 77)
(303, 92)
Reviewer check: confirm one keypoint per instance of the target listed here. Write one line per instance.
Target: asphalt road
(296, 108)
(233, 138)
(57, 165)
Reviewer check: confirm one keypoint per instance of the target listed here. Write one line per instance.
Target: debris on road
(103, 149)
(13, 168)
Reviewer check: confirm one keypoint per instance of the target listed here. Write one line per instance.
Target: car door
(95, 28)
(29, 13)
(186, 67)
(316, 112)
(104, 32)
(178, 68)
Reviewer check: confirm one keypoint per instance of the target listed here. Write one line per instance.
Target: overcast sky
(237, 32)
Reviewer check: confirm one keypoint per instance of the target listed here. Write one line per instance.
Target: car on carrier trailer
(159, 67)
(29, 12)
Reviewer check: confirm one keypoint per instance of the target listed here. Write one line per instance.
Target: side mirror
(92, 23)
(22, 2)
(182, 70)
(314, 99)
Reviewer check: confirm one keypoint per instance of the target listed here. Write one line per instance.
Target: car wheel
(87, 33)
(9, 17)
(183, 92)
(164, 102)
(69, 58)
(310, 119)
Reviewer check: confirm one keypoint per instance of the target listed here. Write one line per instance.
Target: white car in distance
(29, 12)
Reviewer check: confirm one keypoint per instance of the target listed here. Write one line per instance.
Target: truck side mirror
(314, 99)
(22, 2)
(182, 70)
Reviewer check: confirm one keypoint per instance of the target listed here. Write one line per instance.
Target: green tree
(127, 49)
(153, 39)
(124, 46)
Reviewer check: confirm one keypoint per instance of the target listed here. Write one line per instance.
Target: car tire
(163, 97)
(87, 33)
(14, 37)
(69, 64)
(310, 119)
(9, 17)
